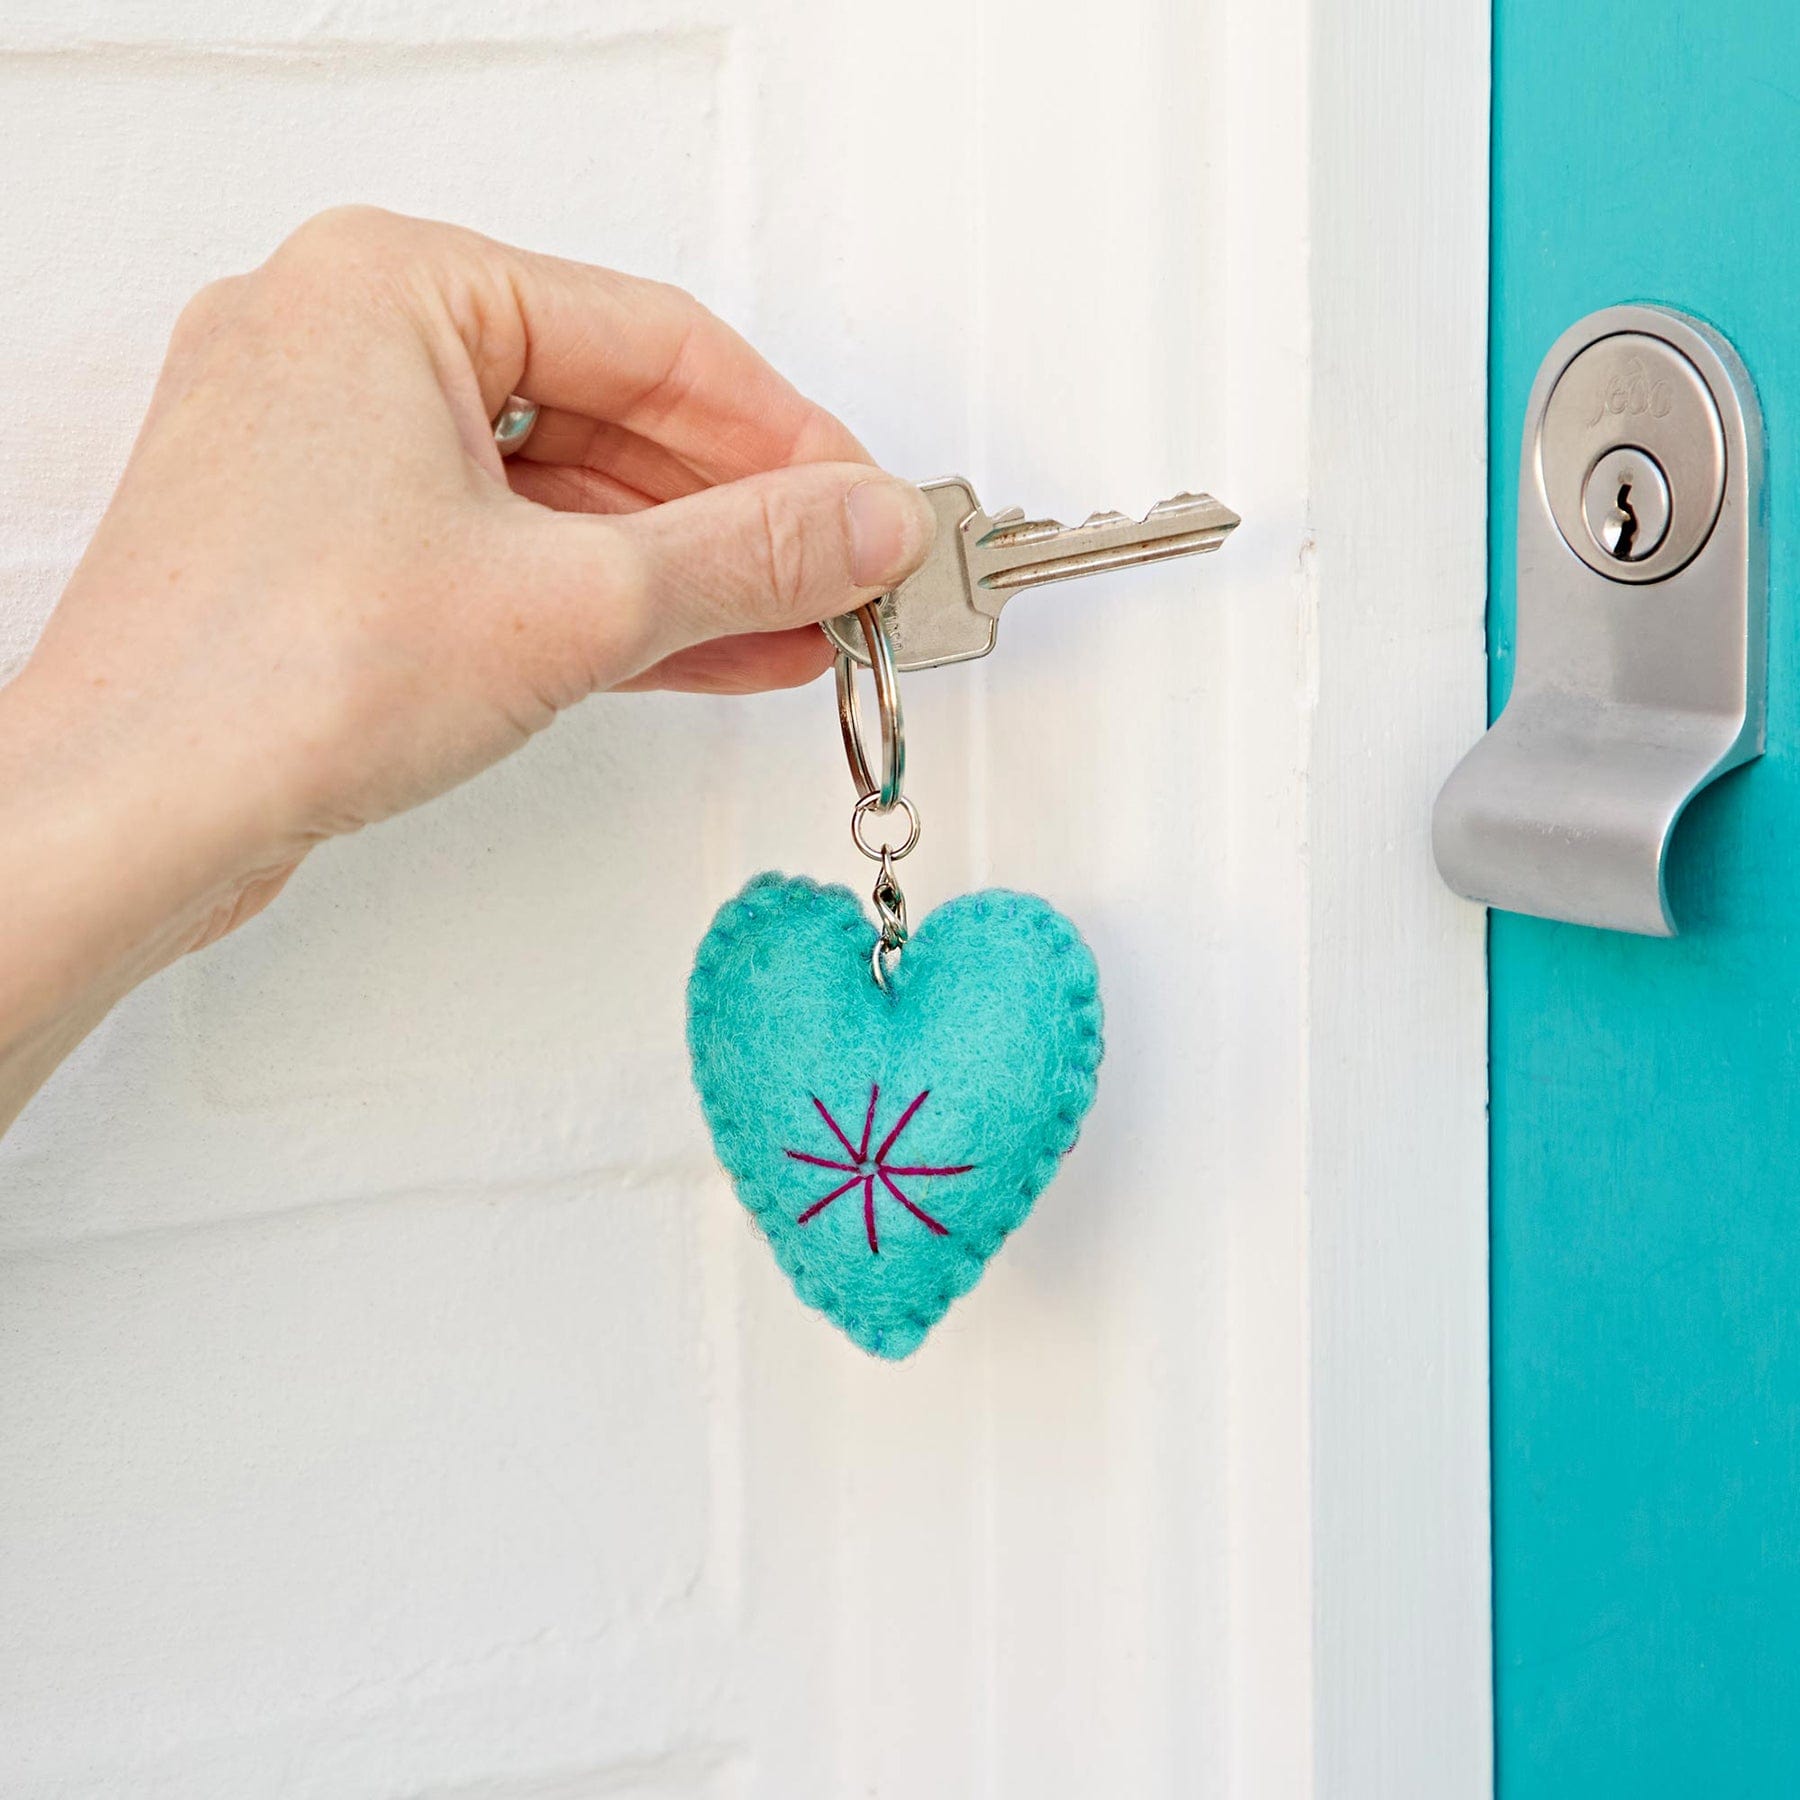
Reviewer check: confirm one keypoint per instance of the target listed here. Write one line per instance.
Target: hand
(319, 597)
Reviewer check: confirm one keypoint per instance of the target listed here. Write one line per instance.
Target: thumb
(770, 552)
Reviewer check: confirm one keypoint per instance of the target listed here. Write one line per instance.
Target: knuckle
(668, 386)
(784, 550)
(364, 230)
(676, 299)
(604, 614)
(357, 263)
(206, 312)
(355, 247)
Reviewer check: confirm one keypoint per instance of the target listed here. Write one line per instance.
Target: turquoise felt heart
(886, 1143)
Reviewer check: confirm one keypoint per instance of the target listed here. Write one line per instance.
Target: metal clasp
(881, 799)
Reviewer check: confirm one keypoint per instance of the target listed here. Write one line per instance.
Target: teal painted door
(1646, 1138)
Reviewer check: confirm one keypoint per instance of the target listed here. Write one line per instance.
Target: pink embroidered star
(865, 1170)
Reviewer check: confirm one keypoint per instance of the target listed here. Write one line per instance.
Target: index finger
(651, 358)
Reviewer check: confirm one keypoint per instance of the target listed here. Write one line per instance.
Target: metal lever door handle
(1641, 652)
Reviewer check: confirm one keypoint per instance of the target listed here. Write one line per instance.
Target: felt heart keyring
(886, 1118)
(887, 1139)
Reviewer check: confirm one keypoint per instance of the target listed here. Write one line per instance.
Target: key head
(930, 617)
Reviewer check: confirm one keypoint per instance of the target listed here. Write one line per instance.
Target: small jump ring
(517, 421)
(876, 852)
(886, 793)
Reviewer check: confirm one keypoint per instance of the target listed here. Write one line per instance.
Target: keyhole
(1620, 530)
(1625, 504)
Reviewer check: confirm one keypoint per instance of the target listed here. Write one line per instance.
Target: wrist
(112, 863)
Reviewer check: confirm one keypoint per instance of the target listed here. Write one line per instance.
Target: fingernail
(891, 528)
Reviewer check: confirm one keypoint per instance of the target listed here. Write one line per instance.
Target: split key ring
(886, 793)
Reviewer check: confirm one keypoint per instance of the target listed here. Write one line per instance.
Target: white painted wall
(393, 1401)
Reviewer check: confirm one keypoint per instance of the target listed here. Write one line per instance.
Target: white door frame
(1394, 1239)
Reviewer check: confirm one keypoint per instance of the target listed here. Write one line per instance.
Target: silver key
(950, 610)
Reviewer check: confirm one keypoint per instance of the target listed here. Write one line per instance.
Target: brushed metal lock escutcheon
(1641, 644)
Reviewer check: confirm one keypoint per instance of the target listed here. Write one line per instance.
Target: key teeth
(1011, 529)
(1184, 502)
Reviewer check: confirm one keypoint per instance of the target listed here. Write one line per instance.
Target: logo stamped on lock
(1630, 392)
